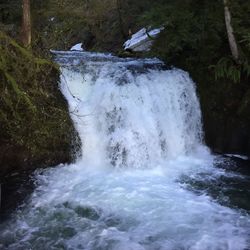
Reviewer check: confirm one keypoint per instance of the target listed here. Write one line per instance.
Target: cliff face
(35, 127)
(226, 115)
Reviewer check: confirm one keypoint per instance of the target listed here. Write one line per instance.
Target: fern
(227, 69)
(246, 40)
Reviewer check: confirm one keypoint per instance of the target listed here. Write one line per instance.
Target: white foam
(152, 117)
(243, 157)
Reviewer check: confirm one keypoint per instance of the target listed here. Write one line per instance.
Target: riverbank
(35, 127)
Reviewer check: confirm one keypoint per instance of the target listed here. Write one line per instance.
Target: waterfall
(143, 178)
(131, 113)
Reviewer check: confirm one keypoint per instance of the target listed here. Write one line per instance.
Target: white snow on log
(243, 157)
(142, 40)
(77, 47)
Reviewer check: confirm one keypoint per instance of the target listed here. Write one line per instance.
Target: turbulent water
(133, 186)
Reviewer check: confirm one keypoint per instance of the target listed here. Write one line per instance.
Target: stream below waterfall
(144, 178)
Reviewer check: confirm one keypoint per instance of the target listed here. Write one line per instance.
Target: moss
(35, 127)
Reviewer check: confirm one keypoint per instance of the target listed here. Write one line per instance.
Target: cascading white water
(140, 127)
(131, 118)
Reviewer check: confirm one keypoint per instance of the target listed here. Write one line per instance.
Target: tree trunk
(26, 25)
(230, 33)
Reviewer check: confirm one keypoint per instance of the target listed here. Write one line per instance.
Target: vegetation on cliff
(35, 128)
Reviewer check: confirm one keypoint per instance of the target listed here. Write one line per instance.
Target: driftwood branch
(26, 24)
(230, 33)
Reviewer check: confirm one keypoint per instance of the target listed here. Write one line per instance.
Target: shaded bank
(226, 113)
(35, 127)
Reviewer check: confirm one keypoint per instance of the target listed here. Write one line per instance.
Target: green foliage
(195, 36)
(246, 40)
(10, 11)
(57, 24)
(226, 68)
(33, 114)
(100, 24)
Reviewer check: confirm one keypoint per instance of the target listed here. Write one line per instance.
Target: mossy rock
(35, 127)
